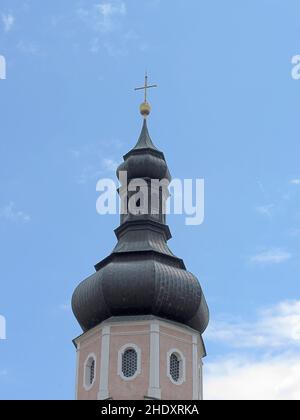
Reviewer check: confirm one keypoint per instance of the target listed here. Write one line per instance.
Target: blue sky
(227, 110)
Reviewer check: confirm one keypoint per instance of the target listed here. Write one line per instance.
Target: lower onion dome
(140, 285)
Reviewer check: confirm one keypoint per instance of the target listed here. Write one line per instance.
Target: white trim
(87, 334)
(200, 380)
(184, 328)
(174, 337)
(139, 363)
(178, 328)
(120, 334)
(195, 369)
(77, 371)
(104, 365)
(154, 390)
(87, 386)
(182, 379)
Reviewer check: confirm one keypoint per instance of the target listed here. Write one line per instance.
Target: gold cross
(146, 87)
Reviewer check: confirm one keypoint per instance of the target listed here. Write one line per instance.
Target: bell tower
(142, 313)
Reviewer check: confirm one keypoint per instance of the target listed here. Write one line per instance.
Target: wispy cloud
(94, 172)
(2, 328)
(65, 307)
(276, 326)
(8, 21)
(12, 214)
(271, 256)
(28, 48)
(109, 32)
(109, 164)
(265, 210)
(103, 17)
(93, 162)
(295, 181)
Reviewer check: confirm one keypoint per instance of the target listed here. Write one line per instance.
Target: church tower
(142, 313)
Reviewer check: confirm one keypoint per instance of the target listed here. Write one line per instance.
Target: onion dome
(145, 160)
(142, 276)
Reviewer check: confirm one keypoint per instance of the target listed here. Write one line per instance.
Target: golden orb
(145, 109)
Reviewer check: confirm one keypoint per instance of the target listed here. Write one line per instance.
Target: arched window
(176, 367)
(129, 363)
(89, 372)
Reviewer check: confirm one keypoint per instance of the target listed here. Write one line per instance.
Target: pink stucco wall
(137, 388)
(173, 339)
(89, 343)
(170, 337)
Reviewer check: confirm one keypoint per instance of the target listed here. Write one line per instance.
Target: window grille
(129, 363)
(89, 372)
(92, 372)
(175, 367)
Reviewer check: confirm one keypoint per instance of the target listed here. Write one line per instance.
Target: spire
(142, 276)
(144, 141)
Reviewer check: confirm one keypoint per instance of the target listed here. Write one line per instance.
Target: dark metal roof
(144, 141)
(142, 276)
(145, 160)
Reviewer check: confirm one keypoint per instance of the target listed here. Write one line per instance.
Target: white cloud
(110, 164)
(93, 162)
(95, 45)
(271, 256)
(295, 181)
(28, 48)
(110, 32)
(239, 378)
(12, 214)
(2, 328)
(277, 326)
(103, 17)
(108, 9)
(92, 172)
(265, 210)
(65, 307)
(264, 360)
(8, 21)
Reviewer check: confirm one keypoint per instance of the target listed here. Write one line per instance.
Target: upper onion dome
(145, 160)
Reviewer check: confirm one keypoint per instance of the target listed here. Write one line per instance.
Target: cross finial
(145, 107)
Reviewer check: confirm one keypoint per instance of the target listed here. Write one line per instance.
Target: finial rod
(145, 107)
